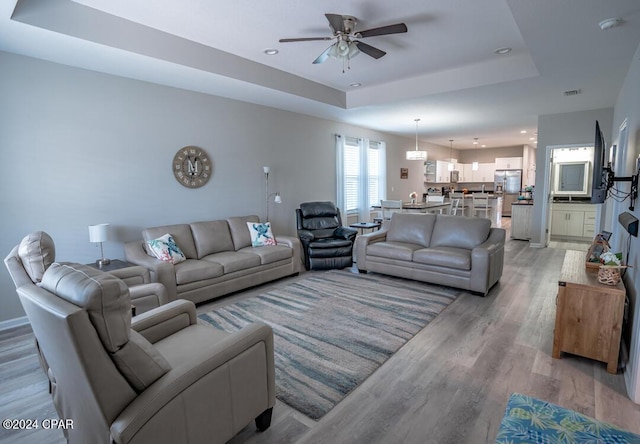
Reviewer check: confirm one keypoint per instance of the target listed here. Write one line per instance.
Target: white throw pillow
(261, 234)
(166, 249)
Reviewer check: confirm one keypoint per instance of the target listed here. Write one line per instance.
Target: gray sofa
(220, 258)
(461, 252)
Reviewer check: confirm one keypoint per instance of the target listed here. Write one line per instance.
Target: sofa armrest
(163, 321)
(162, 272)
(306, 236)
(363, 241)
(136, 275)
(147, 296)
(293, 243)
(487, 261)
(211, 382)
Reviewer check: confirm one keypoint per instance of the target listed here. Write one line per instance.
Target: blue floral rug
(530, 420)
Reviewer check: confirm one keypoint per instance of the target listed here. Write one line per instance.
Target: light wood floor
(449, 384)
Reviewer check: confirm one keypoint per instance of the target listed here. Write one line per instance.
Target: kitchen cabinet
(442, 171)
(588, 314)
(466, 172)
(429, 171)
(484, 173)
(508, 163)
(573, 220)
(521, 215)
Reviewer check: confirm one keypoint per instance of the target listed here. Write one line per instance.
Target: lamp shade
(416, 155)
(277, 199)
(266, 169)
(98, 233)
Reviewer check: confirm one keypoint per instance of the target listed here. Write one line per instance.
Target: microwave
(454, 177)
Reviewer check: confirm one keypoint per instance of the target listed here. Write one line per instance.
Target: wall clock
(192, 167)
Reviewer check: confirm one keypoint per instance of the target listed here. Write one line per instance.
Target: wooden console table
(588, 314)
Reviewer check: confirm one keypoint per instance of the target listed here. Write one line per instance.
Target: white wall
(562, 129)
(628, 108)
(79, 148)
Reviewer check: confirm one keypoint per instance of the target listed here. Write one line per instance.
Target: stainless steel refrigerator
(507, 183)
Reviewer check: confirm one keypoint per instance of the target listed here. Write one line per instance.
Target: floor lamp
(267, 196)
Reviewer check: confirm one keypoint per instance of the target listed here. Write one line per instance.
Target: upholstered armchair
(325, 242)
(157, 378)
(28, 261)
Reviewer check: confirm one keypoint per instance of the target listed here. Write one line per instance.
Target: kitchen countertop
(523, 202)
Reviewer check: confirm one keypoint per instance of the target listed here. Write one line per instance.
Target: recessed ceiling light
(502, 51)
(532, 138)
(609, 23)
(523, 132)
(270, 51)
(483, 146)
(355, 85)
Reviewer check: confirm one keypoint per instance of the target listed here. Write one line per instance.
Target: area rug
(334, 329)
(530, 420)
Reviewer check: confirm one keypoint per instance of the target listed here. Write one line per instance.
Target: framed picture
(404, 173)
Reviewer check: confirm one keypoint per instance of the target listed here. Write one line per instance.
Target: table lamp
(99, 234)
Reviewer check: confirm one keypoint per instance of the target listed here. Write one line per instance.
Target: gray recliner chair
(28, 261)
(159, 378)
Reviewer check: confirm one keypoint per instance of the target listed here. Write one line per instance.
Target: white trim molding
(12, 323)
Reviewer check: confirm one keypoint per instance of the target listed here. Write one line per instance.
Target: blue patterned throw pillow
(166, 249)
(261, 234)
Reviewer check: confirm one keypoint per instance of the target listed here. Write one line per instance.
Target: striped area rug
(334, 329)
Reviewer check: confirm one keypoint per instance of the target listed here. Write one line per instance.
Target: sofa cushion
(139, 362)
(450, 257)
(239, 230)
(37, 252)
(194, 270)
(211, 237)
(181, 233)
(270, 253)
(411, 228)
(393, 250)
(233, 260)
(460, 232)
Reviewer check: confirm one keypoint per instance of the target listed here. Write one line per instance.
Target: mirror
(572, 178)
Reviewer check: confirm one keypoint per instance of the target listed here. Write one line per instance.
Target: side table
(588, 314)
(115, 264)
(365, 226)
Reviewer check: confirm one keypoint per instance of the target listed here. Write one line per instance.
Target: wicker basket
(609, 275)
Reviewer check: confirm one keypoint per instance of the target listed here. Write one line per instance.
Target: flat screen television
(599, 182)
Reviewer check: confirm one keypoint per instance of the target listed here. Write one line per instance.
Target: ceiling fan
(348, 43)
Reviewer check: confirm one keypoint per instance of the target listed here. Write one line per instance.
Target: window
(361, 175)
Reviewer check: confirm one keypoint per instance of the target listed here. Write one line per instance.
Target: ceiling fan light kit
(348, 44)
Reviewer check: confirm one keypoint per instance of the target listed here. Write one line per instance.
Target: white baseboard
(536, 245)
(12, 323)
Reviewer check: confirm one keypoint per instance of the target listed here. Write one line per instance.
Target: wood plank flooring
(449, 384)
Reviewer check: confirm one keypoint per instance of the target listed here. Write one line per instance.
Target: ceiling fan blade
(305, 39)
(324, 56)
(370, 50)
(336, 22)
(383, 30)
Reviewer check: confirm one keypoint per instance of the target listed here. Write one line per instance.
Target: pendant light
(416, 154)
(450, 167)
(475, 165)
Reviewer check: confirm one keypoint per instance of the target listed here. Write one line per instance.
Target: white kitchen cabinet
(573, 220)
(429, 171)
(442, 171)
(466, 172)
(508, 163)
(484, 173)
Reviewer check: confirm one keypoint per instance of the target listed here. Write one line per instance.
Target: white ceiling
(443, 70)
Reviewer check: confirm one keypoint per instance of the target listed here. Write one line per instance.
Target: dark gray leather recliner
(325, 242)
